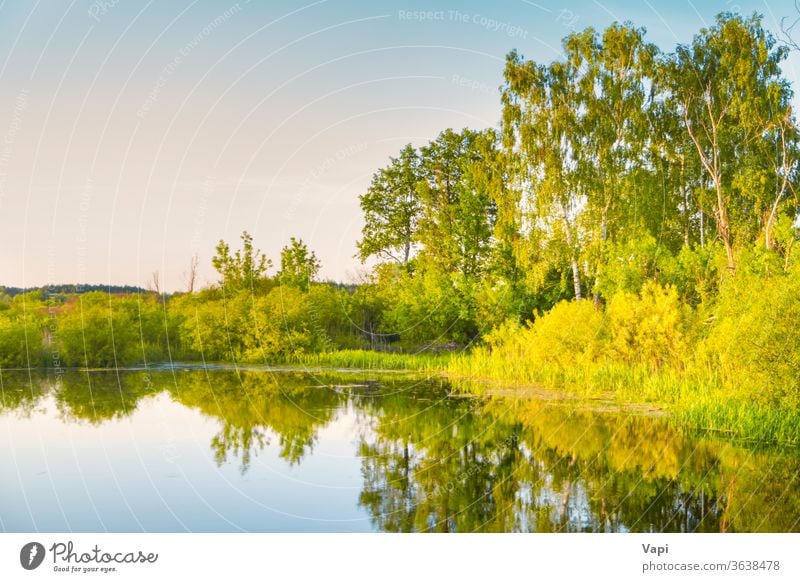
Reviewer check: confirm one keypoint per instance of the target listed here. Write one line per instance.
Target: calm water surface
(219, 450)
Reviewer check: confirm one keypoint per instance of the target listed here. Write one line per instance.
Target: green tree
(540, 117)
(728, 88)
(391, 210)
(612, 73)
(458, 211)
(244, 269)
(299, 266)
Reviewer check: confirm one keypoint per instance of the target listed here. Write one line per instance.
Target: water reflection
(434, 461)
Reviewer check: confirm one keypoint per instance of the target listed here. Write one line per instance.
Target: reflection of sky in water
(289, 452)
(154, 471)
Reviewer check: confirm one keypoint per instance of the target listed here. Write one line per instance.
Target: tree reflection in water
(434, 461)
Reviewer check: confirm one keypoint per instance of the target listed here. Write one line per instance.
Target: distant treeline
(72, 289)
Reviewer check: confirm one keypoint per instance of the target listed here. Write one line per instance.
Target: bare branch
(191, 274)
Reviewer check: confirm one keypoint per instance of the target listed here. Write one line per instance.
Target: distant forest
(71, 289)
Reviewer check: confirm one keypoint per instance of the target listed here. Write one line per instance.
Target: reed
(371, 360)
(696, 398)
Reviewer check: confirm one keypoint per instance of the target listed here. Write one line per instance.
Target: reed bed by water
(695, 399)
(371, 360)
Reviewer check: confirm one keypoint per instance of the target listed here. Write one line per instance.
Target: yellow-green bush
(569, 336)
(279, 325)
(205, 331)
(98, 331)
(20, 343)
(754, 341)
(647, 328)
(572, 333)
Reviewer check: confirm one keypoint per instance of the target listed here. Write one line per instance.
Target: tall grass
(738, 417)
(696, 399)
(371, 360)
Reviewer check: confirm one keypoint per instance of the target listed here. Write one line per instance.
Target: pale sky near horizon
(134, 134)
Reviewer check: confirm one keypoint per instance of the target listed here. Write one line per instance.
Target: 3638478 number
(747, 565)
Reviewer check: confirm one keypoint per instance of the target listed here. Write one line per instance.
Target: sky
(135, 134)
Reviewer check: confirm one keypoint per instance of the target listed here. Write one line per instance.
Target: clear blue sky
(134, 134)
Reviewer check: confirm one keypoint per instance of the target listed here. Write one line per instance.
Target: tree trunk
(576, 274)
(576, 277)
(723, 226)
(604, 238)
(685, 190)
(773, 214)
(702, 230)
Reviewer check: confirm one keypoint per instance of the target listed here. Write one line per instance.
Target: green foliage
(497, 300)
(280, 326)
(630, 263)
(728, 87)
(694, 272)
(333, 318)
(569, 334)
(205, 330)
(372, 360)
(20, 341)
(244, 269)
(425, 306)
(458, 211)
(440, 200)
(734, 374)
(299, 266)
(158, 328)
(99, 331)
(647, 328)
(391, 209)
(755, 339)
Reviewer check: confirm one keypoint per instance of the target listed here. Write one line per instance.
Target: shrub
(754, 340)
(570, 334)
(425, 307)
(205, 331)
(98, 331)
(647, 328)
(20, 344)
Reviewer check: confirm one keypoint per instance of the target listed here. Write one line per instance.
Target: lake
(217, 450)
